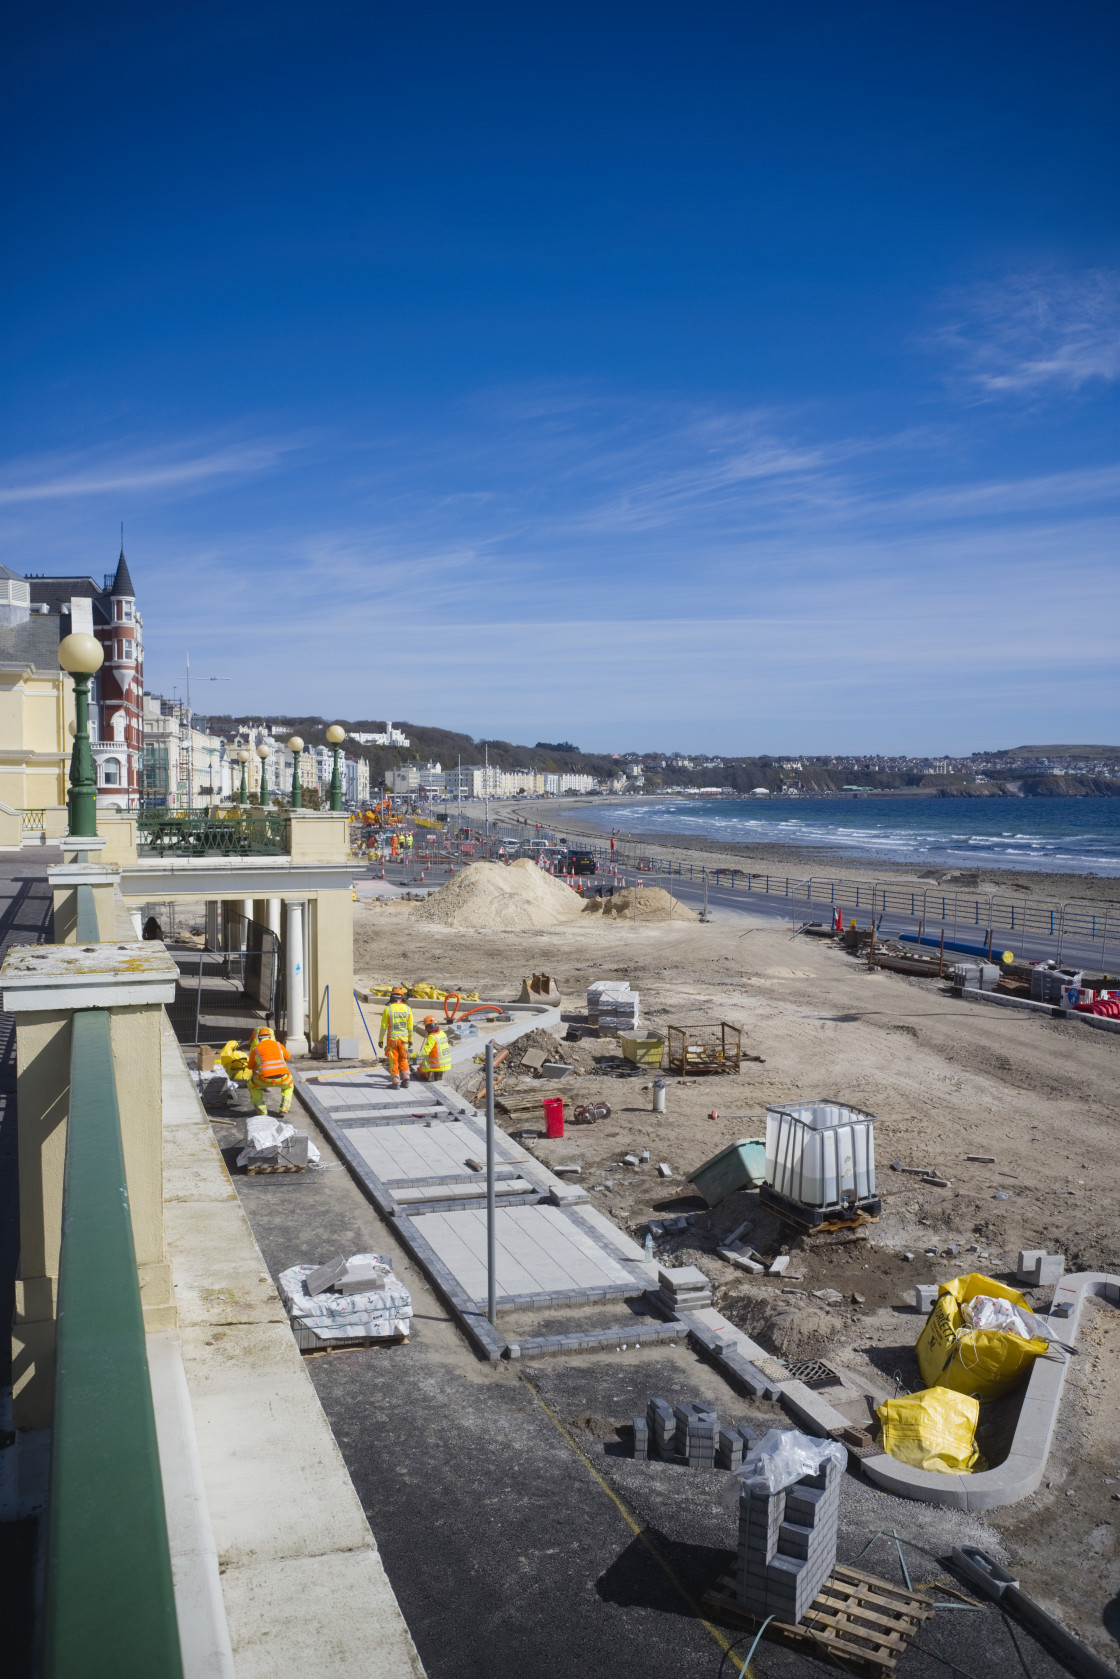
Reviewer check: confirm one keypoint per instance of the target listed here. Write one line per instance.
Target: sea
(1062, 835)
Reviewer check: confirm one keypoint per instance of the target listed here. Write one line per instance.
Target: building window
(111, 772)
(126, 611)
(127, 649)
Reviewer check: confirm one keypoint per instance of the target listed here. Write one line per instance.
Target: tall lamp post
(295, 747)
(243, 760)
(82, 656)
(336, 734)
(263, 750)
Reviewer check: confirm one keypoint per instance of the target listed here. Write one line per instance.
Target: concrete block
(641, 1438)
(1050, 1269)
(925, 1297)
(1027, 1264)
(325, 1276)
(780, 1265)
(810, 1410)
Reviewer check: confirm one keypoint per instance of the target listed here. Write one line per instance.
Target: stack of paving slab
(612, 1007)
(684, 1288)
(787, 1543)
(353, 1299)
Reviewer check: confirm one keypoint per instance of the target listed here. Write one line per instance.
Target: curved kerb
(1025, 1464)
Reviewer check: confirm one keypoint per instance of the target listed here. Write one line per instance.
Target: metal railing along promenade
(240, 834)
(110, 1603)
(1073, 921)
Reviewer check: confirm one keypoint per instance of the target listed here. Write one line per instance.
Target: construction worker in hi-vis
(397, 1027)
(269, 1070)
(435, 1052)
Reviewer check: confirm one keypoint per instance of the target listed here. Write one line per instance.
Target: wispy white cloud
(1035, 331)
(139, 472)
(634, 572)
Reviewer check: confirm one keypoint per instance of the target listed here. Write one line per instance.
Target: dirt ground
(944, 1079)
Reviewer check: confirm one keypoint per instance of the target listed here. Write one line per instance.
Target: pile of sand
(654, 904)
(496, 897)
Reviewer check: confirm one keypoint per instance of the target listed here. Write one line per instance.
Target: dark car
(580, 862)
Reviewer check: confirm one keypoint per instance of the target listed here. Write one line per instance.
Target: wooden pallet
(366, 1341)
(867, 1623)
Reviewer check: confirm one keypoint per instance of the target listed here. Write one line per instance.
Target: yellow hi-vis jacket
(435, 1055)
(397, 1024)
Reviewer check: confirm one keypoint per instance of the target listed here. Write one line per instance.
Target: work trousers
(259, 1088)
(397, 1051)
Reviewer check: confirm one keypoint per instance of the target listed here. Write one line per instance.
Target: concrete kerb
(1023, 1469)
(1100, 1023)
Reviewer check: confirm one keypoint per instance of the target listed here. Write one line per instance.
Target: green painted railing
(86, 928)
(34, 821)
(238, 835)
(110, 1606)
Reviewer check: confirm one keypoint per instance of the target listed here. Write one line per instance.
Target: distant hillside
(1059, 752)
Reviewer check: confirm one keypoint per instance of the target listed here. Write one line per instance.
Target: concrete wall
(43, 1099)
(35, 709)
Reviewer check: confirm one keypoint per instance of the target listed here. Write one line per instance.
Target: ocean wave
(1049, 833)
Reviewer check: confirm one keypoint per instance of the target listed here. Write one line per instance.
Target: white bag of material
(265, 1136)
(781, 1457)
(985, 1311)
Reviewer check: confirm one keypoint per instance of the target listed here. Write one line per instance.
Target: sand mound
(494, 897)
(654, 904)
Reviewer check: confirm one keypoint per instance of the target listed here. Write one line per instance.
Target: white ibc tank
(821, 1153)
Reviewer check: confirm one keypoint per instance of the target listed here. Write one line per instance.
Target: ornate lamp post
(82, 656)
(243, 759)
(336, 734)
(295, 747)
(263, 750)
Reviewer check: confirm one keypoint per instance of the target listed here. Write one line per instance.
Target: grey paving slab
(540, 1249)
(414, 1152)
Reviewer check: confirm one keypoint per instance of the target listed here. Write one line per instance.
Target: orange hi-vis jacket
(435, 1055)
(268, 1062)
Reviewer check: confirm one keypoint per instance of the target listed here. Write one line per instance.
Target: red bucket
(553, 1116)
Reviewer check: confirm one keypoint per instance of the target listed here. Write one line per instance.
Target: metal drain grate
(815, 1373)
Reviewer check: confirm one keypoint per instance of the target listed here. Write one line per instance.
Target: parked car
(580, 862)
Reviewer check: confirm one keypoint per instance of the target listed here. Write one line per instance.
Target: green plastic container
(741, 1165)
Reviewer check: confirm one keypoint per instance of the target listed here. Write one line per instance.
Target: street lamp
(243, 759)
(263, 750)
(295, 747)
(82, 656)
(336, 734)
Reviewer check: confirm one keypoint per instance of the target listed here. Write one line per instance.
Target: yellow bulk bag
(934, 1429)
(986, 1363)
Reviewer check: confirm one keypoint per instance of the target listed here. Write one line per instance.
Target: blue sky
(716, 376)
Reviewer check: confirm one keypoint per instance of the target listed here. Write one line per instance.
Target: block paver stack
(612, 1006)
(683, 1288)
(697, 1435)
(787, 1543)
